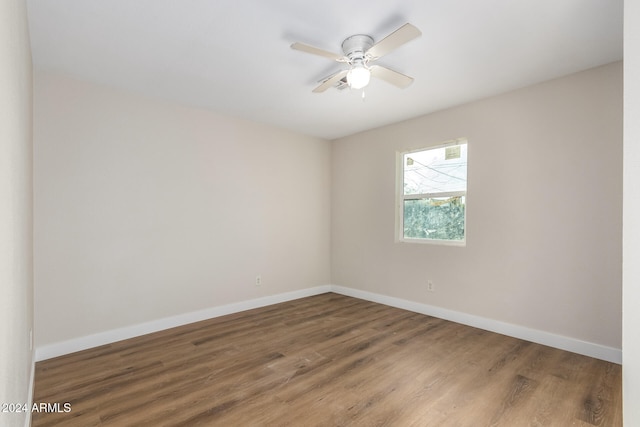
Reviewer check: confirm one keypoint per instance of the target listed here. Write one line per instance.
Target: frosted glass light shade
(358, 77)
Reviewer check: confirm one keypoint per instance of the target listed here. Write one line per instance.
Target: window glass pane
(439, 218)
(436, 170)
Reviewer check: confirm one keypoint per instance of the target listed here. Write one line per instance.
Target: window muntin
(433, 195)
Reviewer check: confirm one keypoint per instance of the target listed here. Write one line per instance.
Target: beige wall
(544, 227)
(146, 209)
(16, 283)
(631, 275)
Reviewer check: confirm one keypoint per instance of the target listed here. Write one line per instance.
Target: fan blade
(394, 40)
(316, 51)
(390, 76)
(330, 81)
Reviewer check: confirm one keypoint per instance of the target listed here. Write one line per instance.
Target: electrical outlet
(258, 280)
(430, 286)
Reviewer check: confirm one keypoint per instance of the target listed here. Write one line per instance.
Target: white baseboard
(597, 351)
(82, 343)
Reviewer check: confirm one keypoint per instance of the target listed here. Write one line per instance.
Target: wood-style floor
(328, 360)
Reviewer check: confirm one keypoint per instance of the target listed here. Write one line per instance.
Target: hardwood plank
(328, 360)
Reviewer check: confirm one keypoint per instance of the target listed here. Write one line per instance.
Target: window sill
(461, 243)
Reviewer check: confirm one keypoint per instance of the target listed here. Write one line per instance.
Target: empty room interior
(209, 219)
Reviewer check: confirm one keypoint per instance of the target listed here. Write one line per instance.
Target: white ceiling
(233, 56)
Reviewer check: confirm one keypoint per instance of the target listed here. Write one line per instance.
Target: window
(432, 197)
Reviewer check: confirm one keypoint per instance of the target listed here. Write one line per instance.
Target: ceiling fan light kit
(358, 77)
(359, 50)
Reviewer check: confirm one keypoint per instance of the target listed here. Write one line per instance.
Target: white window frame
(401, 197)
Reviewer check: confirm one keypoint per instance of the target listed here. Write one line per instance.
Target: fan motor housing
(355, 47)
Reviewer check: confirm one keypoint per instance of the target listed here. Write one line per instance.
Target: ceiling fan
(359, 51)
